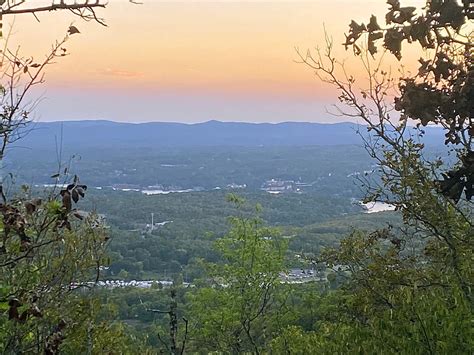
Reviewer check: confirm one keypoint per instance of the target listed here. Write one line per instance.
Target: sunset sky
(190, 61)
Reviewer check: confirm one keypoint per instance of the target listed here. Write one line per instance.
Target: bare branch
(89, 5)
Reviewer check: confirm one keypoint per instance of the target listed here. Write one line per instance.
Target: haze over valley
(236, 177)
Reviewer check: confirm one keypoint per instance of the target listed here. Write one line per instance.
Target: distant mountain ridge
(96, 134)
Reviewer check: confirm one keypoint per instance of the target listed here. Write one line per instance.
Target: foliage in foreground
(399, 299)
(236, 309)
(51, 255)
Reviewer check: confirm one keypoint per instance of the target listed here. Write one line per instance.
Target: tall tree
(237, 311)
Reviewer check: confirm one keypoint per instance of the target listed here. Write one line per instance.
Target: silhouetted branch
(89, 5)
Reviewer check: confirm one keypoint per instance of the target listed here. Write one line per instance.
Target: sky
(191, 61)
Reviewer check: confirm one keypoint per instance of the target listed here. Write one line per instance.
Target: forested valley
(229, 238)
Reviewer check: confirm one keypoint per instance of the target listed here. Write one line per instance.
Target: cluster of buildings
(134, 283)
(277, 186)
(235, 186)
(303, 275)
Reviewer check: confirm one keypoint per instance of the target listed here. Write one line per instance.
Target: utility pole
(152, 221)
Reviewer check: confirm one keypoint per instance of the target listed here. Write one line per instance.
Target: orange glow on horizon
(244, 48)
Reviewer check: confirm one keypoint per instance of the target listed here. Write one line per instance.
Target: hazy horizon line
(190, 123)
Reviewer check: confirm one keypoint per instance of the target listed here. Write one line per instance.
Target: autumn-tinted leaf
(373, 25)
(73, 30)
(420, 31)
(67, 203)
(373, 36)
(393, 41)
(450, 12)
(355, 31)
(406, 13)
(424, 66)
(80, 191)
(395, 4)
(75, 195)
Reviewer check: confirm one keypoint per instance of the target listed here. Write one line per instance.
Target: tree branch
(53, 7)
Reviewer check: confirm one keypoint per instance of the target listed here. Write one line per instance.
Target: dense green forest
(311, 221)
